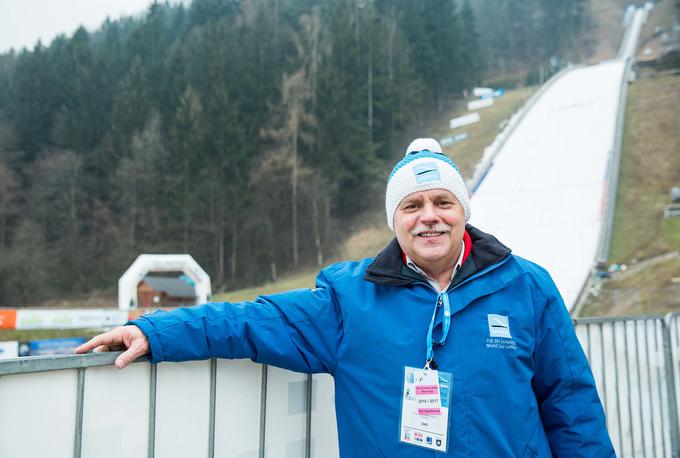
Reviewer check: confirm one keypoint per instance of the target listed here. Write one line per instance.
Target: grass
(11, 334)
(652, 290)
(303, 279)
(650, 167)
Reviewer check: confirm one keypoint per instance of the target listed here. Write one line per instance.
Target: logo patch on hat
(426, 172)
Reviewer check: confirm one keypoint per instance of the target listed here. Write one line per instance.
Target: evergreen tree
(187, 134)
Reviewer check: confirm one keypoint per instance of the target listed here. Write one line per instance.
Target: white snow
(544, 195)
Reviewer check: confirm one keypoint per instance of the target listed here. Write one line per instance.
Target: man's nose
(429, 214)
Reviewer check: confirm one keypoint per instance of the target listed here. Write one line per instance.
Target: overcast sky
(24, 22)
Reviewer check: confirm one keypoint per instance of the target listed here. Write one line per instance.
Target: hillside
(372, 234)
(248, 136)
(650, 166)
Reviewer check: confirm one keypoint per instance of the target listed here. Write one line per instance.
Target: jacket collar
(389, 269)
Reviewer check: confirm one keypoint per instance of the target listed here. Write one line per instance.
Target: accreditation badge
(425, 408)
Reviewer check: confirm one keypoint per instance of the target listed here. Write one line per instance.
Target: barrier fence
(635, 364)
(81, 406)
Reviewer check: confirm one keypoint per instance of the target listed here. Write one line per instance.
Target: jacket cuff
(149, 330)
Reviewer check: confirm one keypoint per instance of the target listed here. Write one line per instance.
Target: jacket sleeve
(565, 389)
(297, 330)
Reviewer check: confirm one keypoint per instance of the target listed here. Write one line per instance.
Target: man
(444, 342)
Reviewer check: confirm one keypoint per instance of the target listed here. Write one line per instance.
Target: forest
(249, 133)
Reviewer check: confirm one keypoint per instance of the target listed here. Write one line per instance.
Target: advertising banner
(70, 319)
(497, 93)
(450, 140)
(481, 103)
(481, 91)
(464, 120)
(52, 346)
(9, 350)
(8, 319)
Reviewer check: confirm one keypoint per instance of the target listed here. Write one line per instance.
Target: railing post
(153, 379)
(213, 400)
(263, 411)
(670, 384)
(80, 397)
(308, 420)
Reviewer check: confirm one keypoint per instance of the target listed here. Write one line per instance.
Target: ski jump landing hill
(547, 194)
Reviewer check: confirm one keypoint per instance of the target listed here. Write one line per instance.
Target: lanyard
(442, 299)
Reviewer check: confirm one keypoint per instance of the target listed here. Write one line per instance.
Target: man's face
(429, 226)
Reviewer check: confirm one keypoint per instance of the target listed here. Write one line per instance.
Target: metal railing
(82, 406)
(635, 363)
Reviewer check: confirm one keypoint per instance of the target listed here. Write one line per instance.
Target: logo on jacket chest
(499, 326)
(499, 333)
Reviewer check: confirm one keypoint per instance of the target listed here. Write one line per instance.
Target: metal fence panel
(627, 359)
(182, 409)
(286, 415)
(673, 358)
(324, 430)
(237, 409)
(111, 398)
(38, 414)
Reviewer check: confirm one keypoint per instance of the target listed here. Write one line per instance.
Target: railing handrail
(611, 319)
(31, 364)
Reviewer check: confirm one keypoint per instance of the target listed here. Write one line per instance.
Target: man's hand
(129, 338)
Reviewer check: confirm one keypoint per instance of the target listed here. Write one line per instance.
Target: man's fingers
(128, 356)
(97, 341)
(104, 342)
(119, 339)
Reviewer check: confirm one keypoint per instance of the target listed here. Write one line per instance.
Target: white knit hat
(424, 167)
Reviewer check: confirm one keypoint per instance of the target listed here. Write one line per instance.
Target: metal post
(639, 384)
(604, 373)
(648, 352)
(659, 335)
(153, 377)
(80, 396)
(263, 410)
(670, 385)
(213, 397)
(629, 389)
(618, 397)
(308, 434)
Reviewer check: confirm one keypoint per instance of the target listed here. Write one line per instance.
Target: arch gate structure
(145, 263)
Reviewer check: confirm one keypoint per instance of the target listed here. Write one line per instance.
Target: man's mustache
(439, 227)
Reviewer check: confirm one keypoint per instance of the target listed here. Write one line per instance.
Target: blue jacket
(530, 395)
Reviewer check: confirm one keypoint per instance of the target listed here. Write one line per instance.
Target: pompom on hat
(424, 167)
